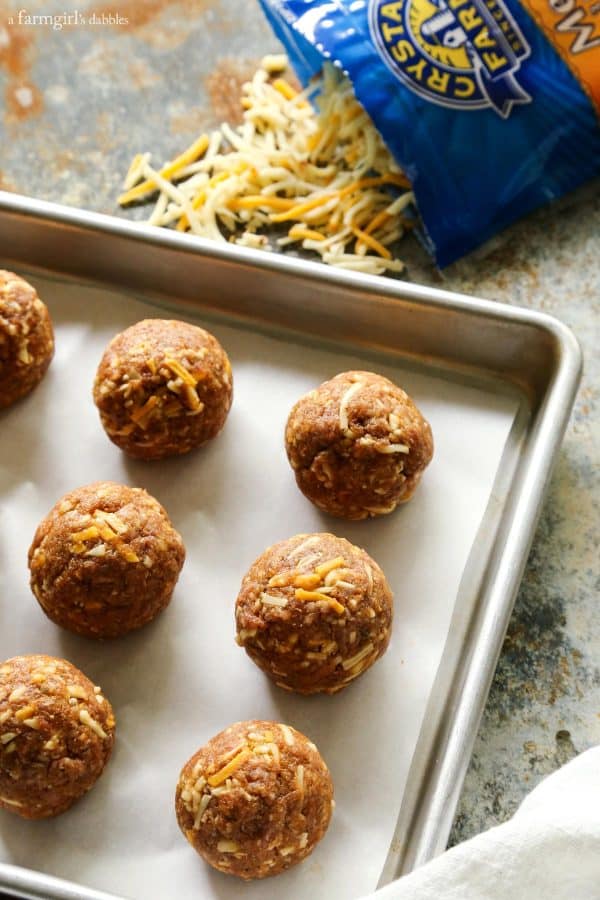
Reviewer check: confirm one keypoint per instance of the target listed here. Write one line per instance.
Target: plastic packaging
(491, 107)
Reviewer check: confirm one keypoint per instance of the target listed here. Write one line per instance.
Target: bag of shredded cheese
(491, 107)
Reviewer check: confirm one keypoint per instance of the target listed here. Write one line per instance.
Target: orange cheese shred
(305, 234)
(391, 178)
(198, 148)
(302, 594)
(308, 582)
(227, 770)
(181, 372)
(140, 416)
(285, 88)
(252, 201)
(296, 211)
(371, 242)
(337, 607)
(380, 219)
(329, 566)
(86, 535)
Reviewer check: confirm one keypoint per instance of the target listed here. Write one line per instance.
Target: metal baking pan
(460, 338)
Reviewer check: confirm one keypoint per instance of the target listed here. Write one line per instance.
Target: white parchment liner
(182, 679)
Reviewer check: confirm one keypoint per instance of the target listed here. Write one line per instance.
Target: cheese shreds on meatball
(57, 732)
(358, 445)
(255, 800)
(105, 560)
(26, 338)
(163, 388)
(314, 612)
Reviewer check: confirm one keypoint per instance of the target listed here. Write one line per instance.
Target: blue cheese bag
(491, 107)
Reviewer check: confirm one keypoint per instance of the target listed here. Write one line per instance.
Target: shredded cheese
(323, 174)
(301, 594)
(329, 566)
(287, 734)
(336, 606)
(181, 372)
(308, 581)
(365, 238)
(358, 658)
(343, 415)
(270, 600)
(192, 153)
(227, 770)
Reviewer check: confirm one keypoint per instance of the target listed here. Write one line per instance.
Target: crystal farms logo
(458, 53)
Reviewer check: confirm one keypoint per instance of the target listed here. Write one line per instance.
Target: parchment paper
(182, 679)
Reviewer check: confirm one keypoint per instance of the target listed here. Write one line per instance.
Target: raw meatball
(358, 445)
(56, 735)
(314, 612)
(105, 560)
(255, 800)
(26, 338)
(163, 388)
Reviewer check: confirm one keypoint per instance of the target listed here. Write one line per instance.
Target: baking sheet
(182, 679)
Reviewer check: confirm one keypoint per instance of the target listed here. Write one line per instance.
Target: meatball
(314, 612)
(105, 560)
(358, 445)
(26, 338)
(56, 735)
(163, 388)
(255, 800)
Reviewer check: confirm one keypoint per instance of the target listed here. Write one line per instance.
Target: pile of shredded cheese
(323, 175)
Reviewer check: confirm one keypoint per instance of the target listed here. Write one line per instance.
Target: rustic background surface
(77, 102)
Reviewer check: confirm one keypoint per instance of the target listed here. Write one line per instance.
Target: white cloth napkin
(549, 850)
